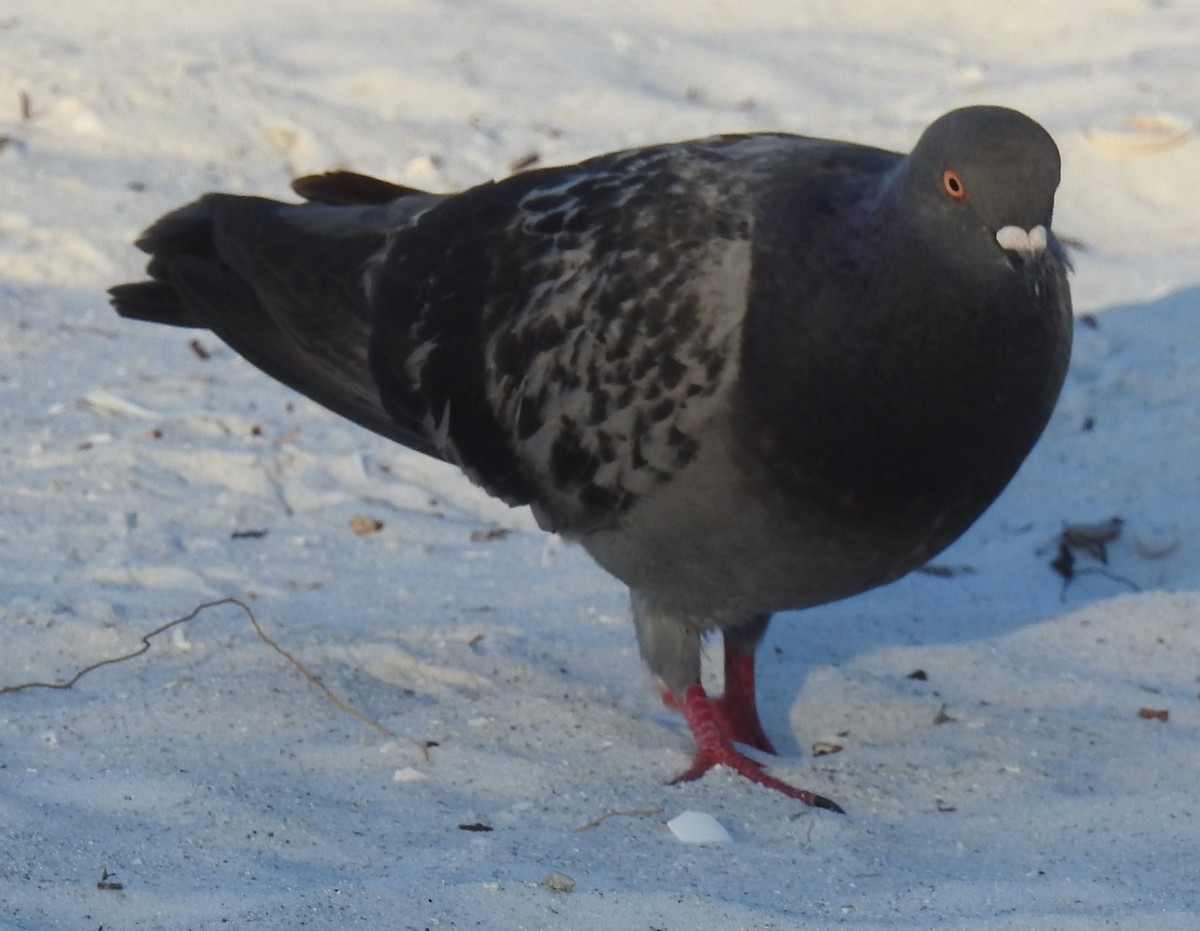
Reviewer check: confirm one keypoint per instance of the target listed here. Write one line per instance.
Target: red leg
(713, 748)
(735, 712)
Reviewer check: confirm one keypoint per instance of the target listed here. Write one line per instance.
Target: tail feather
(283, 286)
(349, 188)
(187, 231)
(152, 301)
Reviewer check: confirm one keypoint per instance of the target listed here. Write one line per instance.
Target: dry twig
(629, 812)
(262, 634)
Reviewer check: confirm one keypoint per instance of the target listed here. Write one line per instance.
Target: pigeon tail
(287, 286)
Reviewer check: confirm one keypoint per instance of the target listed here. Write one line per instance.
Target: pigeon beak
(1025, 250)
(1027, 244)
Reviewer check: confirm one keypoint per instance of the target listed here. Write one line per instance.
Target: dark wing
(566, 334)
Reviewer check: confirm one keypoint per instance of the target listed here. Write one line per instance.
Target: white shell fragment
(695, 827)
(1155, 542)
(108, 403)
(1141, 133)
(1026, 242)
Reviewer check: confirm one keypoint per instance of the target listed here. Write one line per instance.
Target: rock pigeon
(748, 374)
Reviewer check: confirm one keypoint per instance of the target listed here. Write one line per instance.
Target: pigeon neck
(883, 376)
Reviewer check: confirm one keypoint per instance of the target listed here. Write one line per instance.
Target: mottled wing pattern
(575, 328)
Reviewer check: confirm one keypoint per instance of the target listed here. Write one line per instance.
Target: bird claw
(714, 748)
(704, 761)
(752, 770)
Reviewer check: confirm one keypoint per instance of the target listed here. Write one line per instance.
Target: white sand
(223, 790)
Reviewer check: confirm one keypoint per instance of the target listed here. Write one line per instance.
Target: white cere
(1026, 242)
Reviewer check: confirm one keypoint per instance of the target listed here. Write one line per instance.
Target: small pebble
(559, 882)
(364, 525)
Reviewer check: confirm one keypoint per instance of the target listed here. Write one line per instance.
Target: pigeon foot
(714, 748)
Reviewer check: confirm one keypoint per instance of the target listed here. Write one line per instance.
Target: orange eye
(953, 184)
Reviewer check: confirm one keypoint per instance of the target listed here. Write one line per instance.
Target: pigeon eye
(953, 184)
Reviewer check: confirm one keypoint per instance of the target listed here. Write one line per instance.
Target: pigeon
(747, 374)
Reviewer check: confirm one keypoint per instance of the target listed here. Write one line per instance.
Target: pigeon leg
(713, 748)
(736, 710)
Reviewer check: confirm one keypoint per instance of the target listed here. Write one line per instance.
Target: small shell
(696, 827)
(1141, 133)
(1156, 542)
(108, 403)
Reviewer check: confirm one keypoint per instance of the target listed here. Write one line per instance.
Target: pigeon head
(981, 181)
